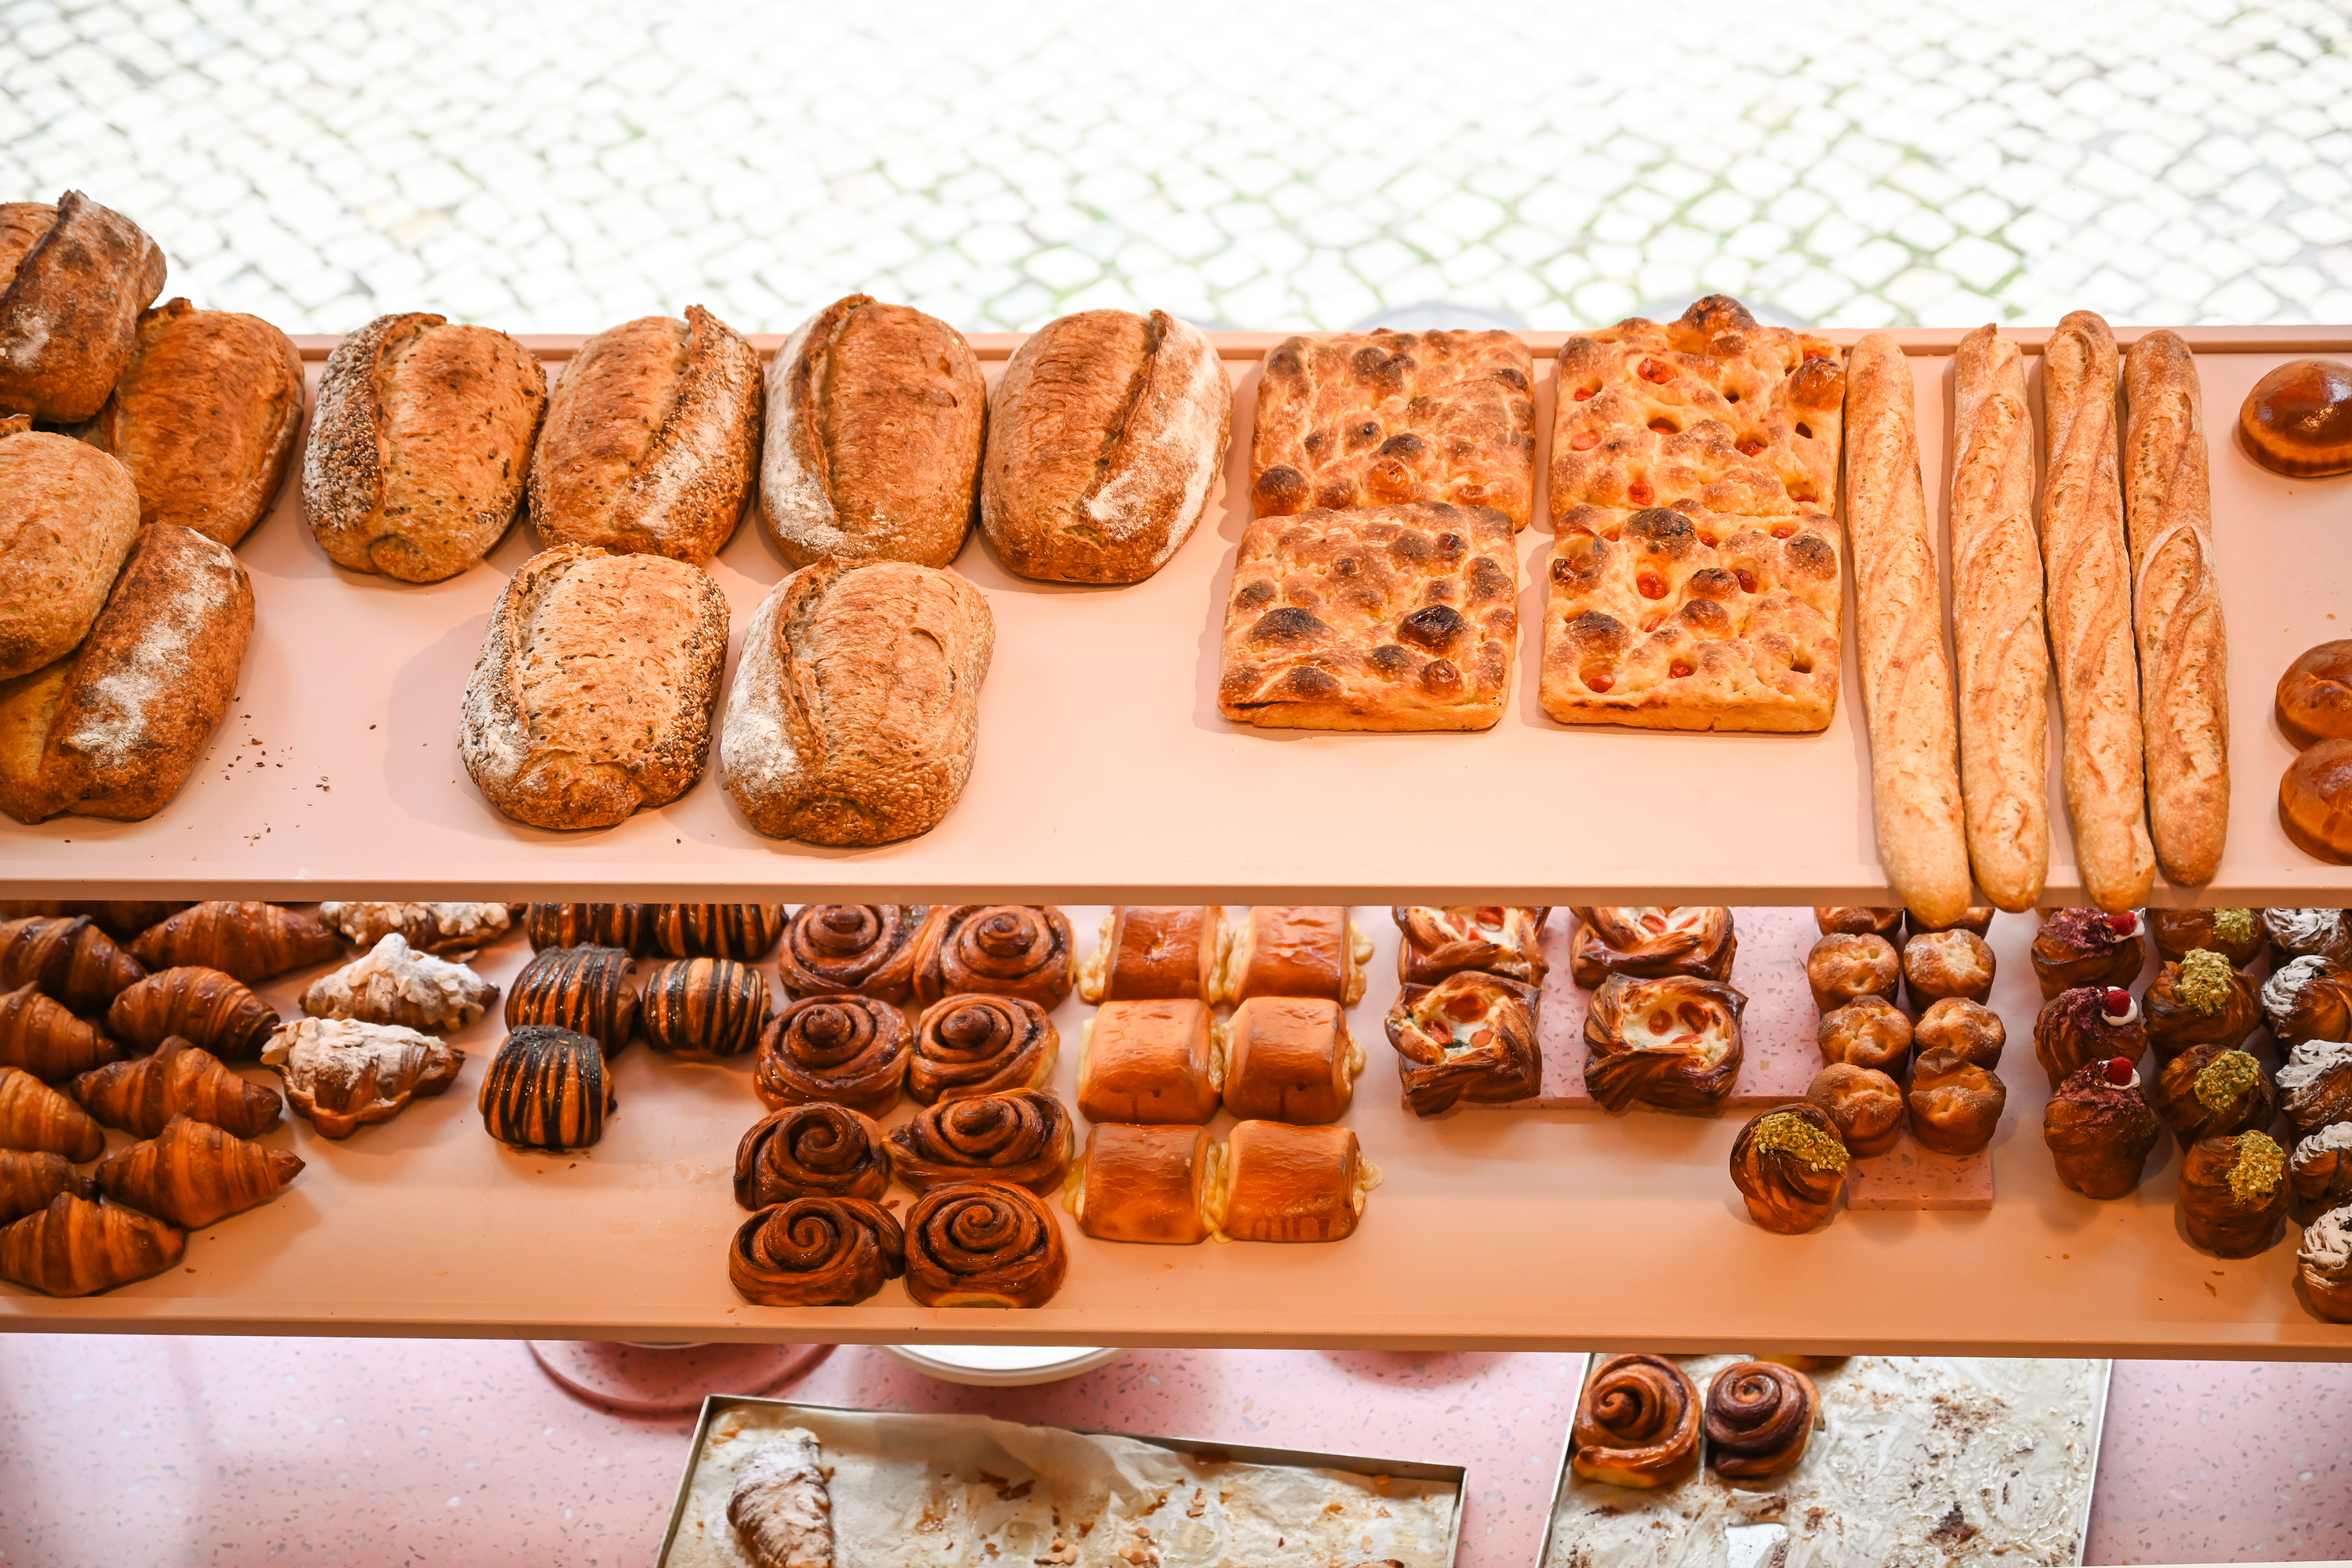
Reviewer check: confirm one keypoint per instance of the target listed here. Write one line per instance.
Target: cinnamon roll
(2319, 1171)
(629, 927)
(1859, 920)
(983, 1244)
(1955, 1105)
(1293, 950)
(843, 1050)
(2088, 1024)
(867, 949)
(1469, 1036)
(1790, 1164)
(1940, 963)
(2235, 934)
(816, 1252)
(2323, 1266)
(811, 1152)
(2309, 998)
(1153, 952)
(1977, 918)
(2200, 1000)
(997, 949)
(1148, 1185)
(1637, 1424)
(2315, 1085)
(1291, 1058)
(967, 1045)
(1870, 1032)
(1866, 1105)
(1670, 1045)
(2087, 947)
(2232, 1193)
(1956, 1024)
(1845, 968)
(1759, 1417)
(1021, 1136)
(1499, 939)
(1160, 1061)
(1650, 941)
(2298, 933)
(2099, 1130)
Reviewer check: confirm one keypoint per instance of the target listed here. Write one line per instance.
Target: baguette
(2184, 653)
(1906, 681)
(2002, 654)
(73, 279)
(2088, 570)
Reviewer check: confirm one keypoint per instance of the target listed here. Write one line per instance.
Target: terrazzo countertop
(378, 1453)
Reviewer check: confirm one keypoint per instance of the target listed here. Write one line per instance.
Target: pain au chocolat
(1153, 952)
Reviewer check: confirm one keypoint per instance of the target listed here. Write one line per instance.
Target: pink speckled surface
(379, 1453)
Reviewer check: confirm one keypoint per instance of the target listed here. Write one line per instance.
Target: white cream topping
(2327, 1243)
(2302, 931)
(2283, 989)
(2130, 1015)
(2334, 1138)
(2313, 1060)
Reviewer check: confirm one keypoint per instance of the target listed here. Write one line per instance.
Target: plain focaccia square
(1291, 1058)
(1362, 419)
(1151, 1062)
(1290, 1183)
(1292, 949)
(1402, 617)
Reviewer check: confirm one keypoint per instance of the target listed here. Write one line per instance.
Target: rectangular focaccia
(1394, 617)
(1359, 420)
(1694, 578)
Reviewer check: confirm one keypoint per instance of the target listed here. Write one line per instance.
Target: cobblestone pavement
(561, 166)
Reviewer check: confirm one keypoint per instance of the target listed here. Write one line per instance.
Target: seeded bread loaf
(67, 515)
(73, 279)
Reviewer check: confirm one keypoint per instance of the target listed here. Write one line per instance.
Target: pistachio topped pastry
(2235, 934)
(2199, 1000)
(1789, 1163)
(2232, 1193)
(2212, 1090)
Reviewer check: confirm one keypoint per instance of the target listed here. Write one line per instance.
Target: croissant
(192, 1173)
(1844, 968)
(1759, 1419)
(180, 1079)
(1470, 1037)
(343, 1074)
(583, 989)
(1865, 1104)
(1859, 920)
(453, 930)
(2088, 1024)
(629, 927)
(1942, 963)
(2200, 1000)
(69, 959)
(1001, 950)
(2309, 998)
(253, 941)
(36, 1118)
(1436, 941)
(2324, 1265)
(2099, 1130)
(2319, 1171)
(966, 1045)
(29, 1178)
(983, 1244)
(546, 1089)
(1790, 1164)
(781, 1508)
(1637, 1424)
(2232, 1193)
(1955, 1105)
(848, 1050)
(2235, 934)
(1671, 1045)
(1650, 942)
(741, 932)
(2087, 947)
(868, 948)
(120, 918)
(811, 1151)
(1971, 1028)
(1867, 1031)
(79, 1247)
(2315, 1085)
(815, 1252)
(45, 1040)
(1021, 1136)
(392, 983)
(213, 1009)
(2298, 933)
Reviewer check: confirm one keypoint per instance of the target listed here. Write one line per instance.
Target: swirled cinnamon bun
(1977, 918)
(2200, 1000)
(1845, 968)
(1866, 1105)
(2099, 1130)
(811, 1152)
(865, 949)
(1940, 963)
(1790, 1164)
(2324, 1265)
(2319, 1171)
(815, 1252)
(2232, 1193)
(2088, 947)
(2215, 1092)
(1291, 1058)
(1650, 941)
(845, 1050)
(1956, 1024)
(1021, 1137)
(2315, 1085)
(1469, 1036)
(1293, 950)
(1955, 1105)
(1868, 1032)
(2299, 933)
(966, 1045)
(2309, 998)
(1670, 1045)
(1160, 1061)
(1859, 920)
(983, 1244)
(1153, 952)
(1146, 1183)
(2235, 934)
(1499, 939)
(2088, 1024)
(997, 949)
(1759, 1417)
(1637, 1424)
(1280, 1183)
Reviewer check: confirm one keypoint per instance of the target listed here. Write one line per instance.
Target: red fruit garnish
(2117, 1001)
(2119, 1071)
(1599, 682)
(2123, 925)
(1651, 584)
(1747, 579)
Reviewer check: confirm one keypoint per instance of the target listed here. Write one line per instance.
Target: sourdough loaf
(73, 279)
(67, 515)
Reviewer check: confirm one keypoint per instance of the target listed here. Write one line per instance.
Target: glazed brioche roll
(1293, 950)
(2099, 1130)
(1868, 1032)
(1146, 1183)
(1866, 1105)
(1437, 940)
(967, 1045)
(1469, 1036)
(868, 948)
(1759, 1417)
(1151, 953)
(1161, 1061)
(815, 1252)
(1790, 1164)
(1019, 1136)
(1671, 1045)
(811, 1152)
(846, 1050)
(1637, 1424)
(983, 1244)
(1942, 963)
(1003, 949)
(1291, 1058)
(2232, 1194)
(1281, 1183)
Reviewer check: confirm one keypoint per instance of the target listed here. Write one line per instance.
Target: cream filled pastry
(2309, 998)
(2324, 1265)
(2316, 1085)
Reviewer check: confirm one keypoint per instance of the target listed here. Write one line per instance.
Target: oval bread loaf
(874, 417)
(73, 279)
(855, 704)
(593, 691)
(420, 446)
(1105, 437)
(67, 515)
(652, 439)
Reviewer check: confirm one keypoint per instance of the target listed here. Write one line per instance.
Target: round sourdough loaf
(73, 279)
(68, 513)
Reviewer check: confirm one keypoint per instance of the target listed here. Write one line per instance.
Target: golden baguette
(2089, 580)
(2184, 654)
(2001, 654)
(1907, 682)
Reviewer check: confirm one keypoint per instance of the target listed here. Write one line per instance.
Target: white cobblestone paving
(558, 167)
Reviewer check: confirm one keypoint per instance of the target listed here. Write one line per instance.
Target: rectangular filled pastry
(1292, 949)
(1694, 578)
(1291, 1058)
(1151, 1062)
(1146, 1183)
(1290, 1183)
(1153, 951)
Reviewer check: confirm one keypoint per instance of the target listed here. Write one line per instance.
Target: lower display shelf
(1538, 1228)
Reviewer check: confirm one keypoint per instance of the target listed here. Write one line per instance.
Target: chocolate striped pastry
(1002, 950)
(846, 1050)
(546, 1089)
(811, 1151)
(1637, 1424)
(1019, 1136)
(1790, 1164)
(585, 989)
(983, 1244)
(1499, 939)
(1650, 941)
(867, 949)
(702, 1008)
(1469, 1036)
(2232, 1193)
(1759, 1417)
(744, 931)
(1669, 1044)
(2099, 1130)
(815, 1252)
(966, 1045)
(626, 926)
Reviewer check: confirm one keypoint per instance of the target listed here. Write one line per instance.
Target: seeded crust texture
(67, 517)
(73, 279)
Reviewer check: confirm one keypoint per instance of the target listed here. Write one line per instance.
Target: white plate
(1004, 1367)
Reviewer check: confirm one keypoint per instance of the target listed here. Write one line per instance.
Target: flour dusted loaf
(204, 418)
(420, 446)
(652, 439)
(593, 691)
(115, 729)
(67, 515)
(1105, 437)
(855, 706)
(874, 417)
(73, 279)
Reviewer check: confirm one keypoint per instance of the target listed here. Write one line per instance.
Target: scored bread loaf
(115, 729)
(2003, 656)
(420, 446)
(875, 418)
(1105, 437)
(593, 691)
(1906, 683)
(2088, 568)
(73, 279)
(856, 705)
(67, 515)
(204, 418)
(651, 439)
(2184, 651)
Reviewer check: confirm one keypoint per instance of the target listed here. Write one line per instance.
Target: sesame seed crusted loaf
(73, 279)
